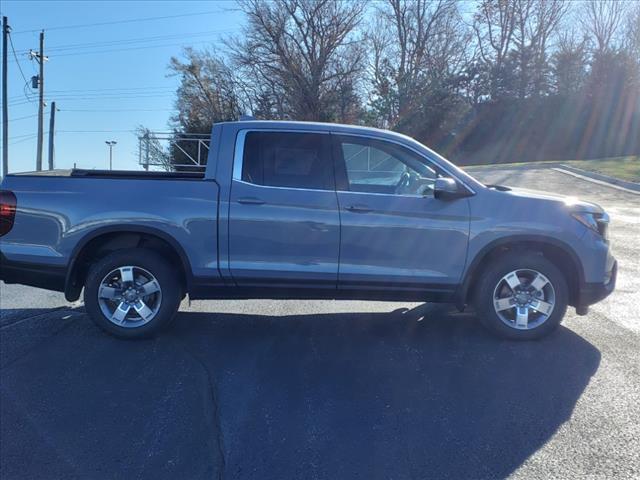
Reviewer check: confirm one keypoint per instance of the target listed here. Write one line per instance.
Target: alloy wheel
(524, 299)
(129, 296)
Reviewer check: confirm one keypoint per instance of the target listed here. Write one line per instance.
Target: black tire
(164, 273)
(492, 275)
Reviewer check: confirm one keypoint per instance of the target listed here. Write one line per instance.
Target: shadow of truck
(376, 395)
(423, 393)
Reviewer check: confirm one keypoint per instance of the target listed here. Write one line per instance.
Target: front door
(395, 234)
(284, 224)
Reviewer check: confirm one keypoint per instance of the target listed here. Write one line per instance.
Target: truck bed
(78, 172)
(58, 212)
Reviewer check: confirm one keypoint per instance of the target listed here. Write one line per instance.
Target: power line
(110, 43)
(22, 118)
(92, 52)
(30, 137)
(111, 89)
(24, 92)
(119, 110)
(83, 131)
(117, 22)
(26, 82)
(16, 57)
(95, 131)
(113, 95)
(106, 92)
(73, 98)
(108, 95)
(25, 135)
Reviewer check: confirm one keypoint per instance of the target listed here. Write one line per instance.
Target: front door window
(380, 167)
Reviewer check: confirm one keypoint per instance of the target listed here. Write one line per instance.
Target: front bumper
(591, 293)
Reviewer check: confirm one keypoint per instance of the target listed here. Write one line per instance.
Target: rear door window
(288, 159)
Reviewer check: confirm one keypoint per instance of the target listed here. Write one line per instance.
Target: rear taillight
(7, 211)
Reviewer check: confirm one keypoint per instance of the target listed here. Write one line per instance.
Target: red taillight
(7, 211)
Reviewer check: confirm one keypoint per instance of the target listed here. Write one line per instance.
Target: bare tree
(494, 23)
(522, 39)
(301, 56)
(632, 32)
(208, 91)
(536, 22)
(548, 17)
(417, 46)
(417, 64)
(383, 97)
(603, 19)
(514, 39)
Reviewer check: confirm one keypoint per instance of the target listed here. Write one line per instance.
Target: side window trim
(238, 156)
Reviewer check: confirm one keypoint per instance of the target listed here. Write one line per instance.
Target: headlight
(598, 222)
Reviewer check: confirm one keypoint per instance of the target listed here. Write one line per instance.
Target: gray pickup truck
(304, 211)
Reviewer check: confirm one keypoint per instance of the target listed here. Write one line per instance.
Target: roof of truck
(321, 126)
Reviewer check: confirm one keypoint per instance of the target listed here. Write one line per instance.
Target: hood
(572, 203)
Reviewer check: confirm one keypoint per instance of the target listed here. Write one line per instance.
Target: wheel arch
(556, 250)
(99, 242)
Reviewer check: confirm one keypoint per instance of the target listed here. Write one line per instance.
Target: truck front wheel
(132, 293)
(521, 296)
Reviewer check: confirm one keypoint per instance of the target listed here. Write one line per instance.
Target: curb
(599, 178)
(506, 166)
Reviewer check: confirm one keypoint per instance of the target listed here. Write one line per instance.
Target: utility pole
(52, 127)
(111, 143)
(41, 104)
(5, 107)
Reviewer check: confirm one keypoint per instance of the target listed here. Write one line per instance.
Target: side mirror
(447, 189)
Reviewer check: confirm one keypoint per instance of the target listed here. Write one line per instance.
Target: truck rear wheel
(132, 293)
(521, 296)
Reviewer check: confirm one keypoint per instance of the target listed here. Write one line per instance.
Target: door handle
(358, 208)
(250, 201)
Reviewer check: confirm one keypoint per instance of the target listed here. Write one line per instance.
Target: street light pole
(111, 143)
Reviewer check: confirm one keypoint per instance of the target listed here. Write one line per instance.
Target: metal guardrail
(160, 149)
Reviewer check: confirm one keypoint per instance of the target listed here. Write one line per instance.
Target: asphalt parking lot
(328, 390)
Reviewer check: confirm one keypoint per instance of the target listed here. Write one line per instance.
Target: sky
(107, 72)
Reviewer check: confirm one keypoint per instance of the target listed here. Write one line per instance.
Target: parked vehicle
(299, 211)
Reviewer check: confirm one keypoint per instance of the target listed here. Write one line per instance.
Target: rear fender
(73, 285)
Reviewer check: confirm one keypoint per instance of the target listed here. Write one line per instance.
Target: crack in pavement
(216, 422)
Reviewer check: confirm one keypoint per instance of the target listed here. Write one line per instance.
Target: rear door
(395, 234)
(284, 225)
